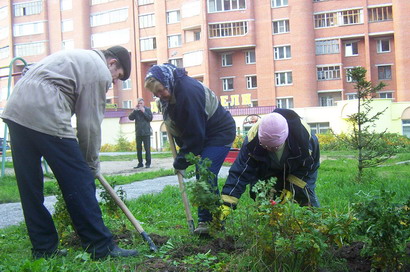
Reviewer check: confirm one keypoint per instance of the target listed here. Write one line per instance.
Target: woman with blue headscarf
(197, 121)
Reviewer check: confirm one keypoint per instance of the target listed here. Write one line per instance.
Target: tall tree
(372, 149)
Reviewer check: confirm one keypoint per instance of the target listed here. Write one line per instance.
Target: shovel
(127, 212)
(190, 220)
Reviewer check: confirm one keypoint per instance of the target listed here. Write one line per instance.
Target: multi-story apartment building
(252, 53)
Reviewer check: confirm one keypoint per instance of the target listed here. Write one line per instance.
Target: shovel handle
(190, 220)
(126, 211)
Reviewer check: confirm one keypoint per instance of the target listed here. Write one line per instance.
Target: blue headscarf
(164, 74)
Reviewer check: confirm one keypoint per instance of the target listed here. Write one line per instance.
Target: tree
(371, 147)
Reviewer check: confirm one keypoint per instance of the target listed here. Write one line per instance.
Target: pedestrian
(38, 114)
(279, 146)
(196, 120)
(142, 116)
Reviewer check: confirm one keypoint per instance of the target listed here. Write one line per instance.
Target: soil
(355, 262)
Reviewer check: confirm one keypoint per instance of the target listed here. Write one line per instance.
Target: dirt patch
(355, 261)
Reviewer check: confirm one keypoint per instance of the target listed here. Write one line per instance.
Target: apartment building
(252, 53)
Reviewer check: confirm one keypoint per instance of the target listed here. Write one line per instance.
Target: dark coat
(189, 112)
(142, 120)
(252, 163)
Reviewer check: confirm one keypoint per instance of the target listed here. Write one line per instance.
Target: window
(66, 4)
(283, 78)
(284, 103)
(281, 26)
(250, 57)
(282, 52)
(325, 20)
(177, 62)
(4, 12)
(386, 94)
(319, 128)
(384, 72)
(351, 49)
(383, 46)
(127, 104)
(148, 44)
(67, 25)
(227, 84)
(328, 72)
(193, 58)
(174, 41)
(225, 5)
(350, 17)
(348, 77)
(29, 49)
(102, 39)
(197, 35)
(279, 3)
(406, 127)
(126, 85)
(327, 47)
(251, 82)
(28, 29)
(226, 59)
(351, 96)
(4, 32)
(228, 29)
(109, 17)
(380, 14)
(145, 2)
(28, 8)
(4, 52)
(68, 44)
(147, 20)
(326, 101)
(173, 17)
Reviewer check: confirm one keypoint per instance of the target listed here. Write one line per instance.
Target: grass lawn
(163, 215)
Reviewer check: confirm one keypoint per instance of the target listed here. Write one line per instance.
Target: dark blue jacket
(252, 163)
(189, 113)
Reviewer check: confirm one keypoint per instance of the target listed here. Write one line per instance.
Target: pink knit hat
(273, 130)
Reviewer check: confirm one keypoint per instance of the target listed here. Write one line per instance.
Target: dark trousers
(217, 155)
(147, 147)
(76, 182)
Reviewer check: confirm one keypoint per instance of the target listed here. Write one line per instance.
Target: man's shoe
(202, 229)
(147, 166)
(48, 255)
(139, 166)
(120, 252)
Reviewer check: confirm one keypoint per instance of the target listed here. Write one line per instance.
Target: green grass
(163, 214)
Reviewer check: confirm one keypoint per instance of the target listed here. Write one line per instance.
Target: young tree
(372, 149)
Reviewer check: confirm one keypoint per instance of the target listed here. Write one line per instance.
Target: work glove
(285, 196)
(179, 171)
(220, 216)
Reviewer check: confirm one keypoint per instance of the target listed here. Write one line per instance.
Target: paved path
(12, 214)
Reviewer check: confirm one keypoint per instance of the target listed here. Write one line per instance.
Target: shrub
(385, 226)
(237, 143)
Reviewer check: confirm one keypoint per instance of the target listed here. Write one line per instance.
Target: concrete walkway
(12, 214)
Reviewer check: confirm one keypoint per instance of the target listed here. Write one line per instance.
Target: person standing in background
(142, 116)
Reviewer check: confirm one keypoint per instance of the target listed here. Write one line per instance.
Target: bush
(237, 143)
(122, 145)
(329, 141)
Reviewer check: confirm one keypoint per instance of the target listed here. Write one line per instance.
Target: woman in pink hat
(280, 145)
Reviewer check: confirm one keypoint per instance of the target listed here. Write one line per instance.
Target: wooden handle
(120, 203)
(182, 186)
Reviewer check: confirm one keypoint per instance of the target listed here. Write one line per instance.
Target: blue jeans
(76, 182)
(217, 155)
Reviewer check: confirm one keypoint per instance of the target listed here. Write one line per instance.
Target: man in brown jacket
(38, 114)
